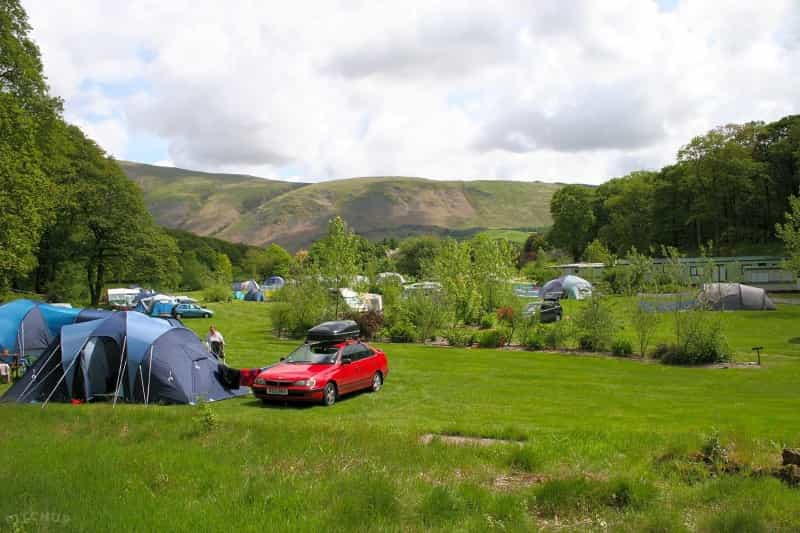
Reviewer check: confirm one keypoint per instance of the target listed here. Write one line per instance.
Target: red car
(323, 371)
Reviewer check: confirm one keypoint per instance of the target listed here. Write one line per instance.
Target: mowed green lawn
(606, 443)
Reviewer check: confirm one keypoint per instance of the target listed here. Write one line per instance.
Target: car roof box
(339, 330)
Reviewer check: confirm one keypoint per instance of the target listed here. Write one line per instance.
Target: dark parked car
(546, 310)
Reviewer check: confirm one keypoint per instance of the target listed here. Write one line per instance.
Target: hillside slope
(259, 211)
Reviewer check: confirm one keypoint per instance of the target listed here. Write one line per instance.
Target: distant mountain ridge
(240, 208)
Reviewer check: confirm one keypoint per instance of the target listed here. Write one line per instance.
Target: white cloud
(568, 91)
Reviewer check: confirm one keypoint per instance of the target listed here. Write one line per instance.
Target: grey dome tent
(129, 357)
(568, 286)
(734, 297)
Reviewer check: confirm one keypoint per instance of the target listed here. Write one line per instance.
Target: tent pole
(21, 342)
(149, 376)
(121, 384)
(119, 370)
(34, 376)
(141, 377)
(59, 383)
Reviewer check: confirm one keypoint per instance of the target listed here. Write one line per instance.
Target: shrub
(505, 314)
(701, 341)
(487, 321)
(301, 306)
(217, 293)
(661, 351)
(714, 451)
(491, 338)
(622, 347)
(587, 344)
(596, 325)
(534, 341)
(555, 336)
(279, 315)
(369, 322)
(403, 332)
(645, 323)
(427, 312)
(460, 337)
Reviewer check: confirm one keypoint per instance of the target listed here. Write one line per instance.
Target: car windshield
(314, 353)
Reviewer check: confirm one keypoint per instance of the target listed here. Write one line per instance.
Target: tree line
(729, 187)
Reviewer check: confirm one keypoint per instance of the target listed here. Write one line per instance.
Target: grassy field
(775, 331)
(603, 444)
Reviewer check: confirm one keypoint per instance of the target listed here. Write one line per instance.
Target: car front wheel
(377, 382)
(205, 315)
(178, 316)
(329, 395)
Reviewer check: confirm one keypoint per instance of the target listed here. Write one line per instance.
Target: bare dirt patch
(460, 440)
(516, 481)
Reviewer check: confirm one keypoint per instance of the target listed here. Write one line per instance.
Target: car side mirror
(346, 360)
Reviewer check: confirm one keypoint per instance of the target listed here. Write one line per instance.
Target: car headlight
(305, 383)
(260, 381)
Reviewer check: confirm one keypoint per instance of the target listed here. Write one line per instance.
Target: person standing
(216, 343)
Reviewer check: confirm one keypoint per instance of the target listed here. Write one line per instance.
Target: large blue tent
(28, 327)
(130, 357)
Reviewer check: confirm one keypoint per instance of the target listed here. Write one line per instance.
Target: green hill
(259, 211)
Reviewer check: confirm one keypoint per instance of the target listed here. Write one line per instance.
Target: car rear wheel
(329, 395)
(377, 382)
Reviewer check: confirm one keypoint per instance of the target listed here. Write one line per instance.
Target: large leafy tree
(336, 255)
(573, 218)
(493, 268)
(414, 252)
(25, 198)
(452, 267)
(26, 111)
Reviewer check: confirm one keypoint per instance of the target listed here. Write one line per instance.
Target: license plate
(283, 391)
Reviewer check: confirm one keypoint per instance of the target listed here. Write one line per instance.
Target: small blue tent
(254, 295)
(28, 327)
(127, 356)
